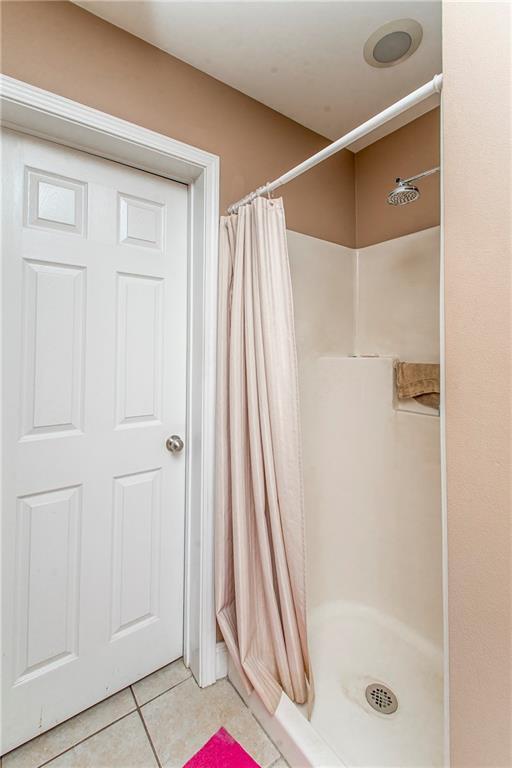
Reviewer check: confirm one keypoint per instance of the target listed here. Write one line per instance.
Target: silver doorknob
(174, 444)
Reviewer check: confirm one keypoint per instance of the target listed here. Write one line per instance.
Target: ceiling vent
(393, 43)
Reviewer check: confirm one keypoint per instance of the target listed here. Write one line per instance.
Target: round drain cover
(381, 698)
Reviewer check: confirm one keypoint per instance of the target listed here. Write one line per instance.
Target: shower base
(353, 646)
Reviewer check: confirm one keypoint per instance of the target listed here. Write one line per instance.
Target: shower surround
(372, 505)
(372, 495)
(374, 566)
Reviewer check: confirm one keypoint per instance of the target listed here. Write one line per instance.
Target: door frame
(34, 111)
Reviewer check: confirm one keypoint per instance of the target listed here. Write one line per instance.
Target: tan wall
(62, 48)
(478, 252)
(405, 152)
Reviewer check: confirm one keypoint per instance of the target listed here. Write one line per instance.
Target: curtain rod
(420, 94)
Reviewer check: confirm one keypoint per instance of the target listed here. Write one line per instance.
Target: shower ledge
(409, 406)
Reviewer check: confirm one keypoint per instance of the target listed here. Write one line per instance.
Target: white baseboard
(221, 660)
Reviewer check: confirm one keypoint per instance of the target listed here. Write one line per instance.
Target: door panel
(94, 259)
(136, 528)
(139, 349)
(53, 348)
(47, 581)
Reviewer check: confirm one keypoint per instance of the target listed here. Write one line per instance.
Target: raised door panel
(55, 202)
(47, 580)
(141, 222)
(136, 546)
(53, 349)
(139, 350)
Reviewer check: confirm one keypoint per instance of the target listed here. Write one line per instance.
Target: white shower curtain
(260, 557)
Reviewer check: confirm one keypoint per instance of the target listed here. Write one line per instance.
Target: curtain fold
(260, 541)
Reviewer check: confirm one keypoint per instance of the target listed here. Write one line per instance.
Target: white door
(94, 259)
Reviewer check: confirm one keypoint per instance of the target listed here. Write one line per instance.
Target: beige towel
(420, 381)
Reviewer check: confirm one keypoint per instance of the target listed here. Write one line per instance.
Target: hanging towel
(420, 381)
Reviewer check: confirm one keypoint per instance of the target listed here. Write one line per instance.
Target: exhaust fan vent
(393, 43)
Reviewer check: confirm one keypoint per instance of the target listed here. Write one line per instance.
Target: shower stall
(372, 497)
(372, 471)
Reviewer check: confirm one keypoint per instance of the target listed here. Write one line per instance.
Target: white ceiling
(303, 59)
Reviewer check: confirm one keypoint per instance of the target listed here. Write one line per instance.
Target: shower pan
(353, 645)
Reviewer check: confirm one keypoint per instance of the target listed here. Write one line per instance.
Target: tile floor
(159, 722)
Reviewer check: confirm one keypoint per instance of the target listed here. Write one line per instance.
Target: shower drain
(381, 698)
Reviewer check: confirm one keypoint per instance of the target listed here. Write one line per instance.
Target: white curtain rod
(420, 94)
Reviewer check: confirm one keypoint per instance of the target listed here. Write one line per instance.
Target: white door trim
(41, 113)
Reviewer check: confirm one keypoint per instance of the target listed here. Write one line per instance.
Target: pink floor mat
(221, 751)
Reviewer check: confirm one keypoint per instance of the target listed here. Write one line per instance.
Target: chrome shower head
(403, 193)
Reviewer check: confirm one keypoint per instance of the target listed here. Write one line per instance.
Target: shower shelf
(400, 406)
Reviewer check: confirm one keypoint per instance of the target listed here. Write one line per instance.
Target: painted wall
(64, 49)
(405, 152)
(478, 258)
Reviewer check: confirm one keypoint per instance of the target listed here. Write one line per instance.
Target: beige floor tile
(64, 736)
(122, 745)
(281, 763)
(160, 681)
(183, 719)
